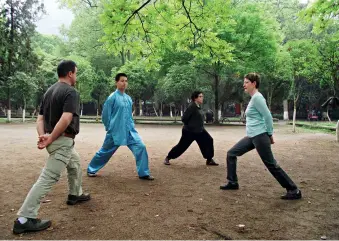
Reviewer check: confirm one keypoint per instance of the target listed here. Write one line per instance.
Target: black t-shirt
(60, 98)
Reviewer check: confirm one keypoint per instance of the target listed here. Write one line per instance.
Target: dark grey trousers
(262, 143)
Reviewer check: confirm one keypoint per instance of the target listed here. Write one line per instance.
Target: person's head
(251, 82)
(197, 97)
(121, 81)
(67, 70)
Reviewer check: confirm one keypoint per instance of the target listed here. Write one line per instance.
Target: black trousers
(204, 140)
(262, 143)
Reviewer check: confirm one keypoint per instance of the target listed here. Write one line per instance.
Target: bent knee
(49, 175)
(231, 153)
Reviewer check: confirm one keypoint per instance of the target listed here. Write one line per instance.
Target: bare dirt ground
(184, 201)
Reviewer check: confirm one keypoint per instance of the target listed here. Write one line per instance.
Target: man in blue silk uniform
(119, 125)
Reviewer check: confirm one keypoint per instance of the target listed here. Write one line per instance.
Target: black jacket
(193, 118)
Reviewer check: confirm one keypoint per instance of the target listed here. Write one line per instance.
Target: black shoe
(211, 163)
(166, 161)
(31, 225)
(230, 186)
(72, 199)
(292, 195)
(149, 178)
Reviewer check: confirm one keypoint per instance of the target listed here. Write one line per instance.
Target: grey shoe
(31, 225)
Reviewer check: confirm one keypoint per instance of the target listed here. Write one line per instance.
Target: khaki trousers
(61, 155)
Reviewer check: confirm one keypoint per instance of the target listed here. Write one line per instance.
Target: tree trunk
(33, 114)
(97, 118)
(156, 113)
(82, 108)
(241, 110)
(269, 99)
(337, 131)
(171, 111)
(294, 113)
(128, 55)
(140, 108)
(328, 116)
(161, 114)
(181, 111)
(24, 111)
(122, 55)
(216, 98)
(285, 104)
(10, 60)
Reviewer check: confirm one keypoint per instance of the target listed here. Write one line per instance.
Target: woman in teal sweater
(259, 135)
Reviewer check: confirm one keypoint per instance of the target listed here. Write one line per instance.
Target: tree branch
(146, 33)
(189, 16)
(136, 11)
(90, 4)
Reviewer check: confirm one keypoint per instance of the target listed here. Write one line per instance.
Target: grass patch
(318, 123)
(310, 129)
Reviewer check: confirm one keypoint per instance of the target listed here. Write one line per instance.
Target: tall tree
(19, 28)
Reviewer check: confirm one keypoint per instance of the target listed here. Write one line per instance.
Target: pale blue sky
(54, 18)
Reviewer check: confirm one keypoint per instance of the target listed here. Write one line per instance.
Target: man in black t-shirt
(57, 126)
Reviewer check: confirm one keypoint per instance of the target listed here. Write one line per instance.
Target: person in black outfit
(194, 130)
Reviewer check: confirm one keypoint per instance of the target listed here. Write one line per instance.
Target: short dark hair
(253, 77)
(195, 95)
(65, 67)
(117, 77)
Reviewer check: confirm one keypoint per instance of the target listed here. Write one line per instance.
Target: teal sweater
(258, 117)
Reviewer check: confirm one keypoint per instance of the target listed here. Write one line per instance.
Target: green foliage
(85, 77)
(100, 89)
(141, 82)
(322, 13)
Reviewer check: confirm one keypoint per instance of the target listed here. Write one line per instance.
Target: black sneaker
(31, 225)
(230, 186)
(149, 178)
(292, 195)
(72, 199)
(167, 161)
(211, 163)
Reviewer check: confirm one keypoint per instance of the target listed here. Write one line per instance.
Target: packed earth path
(184, 201)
